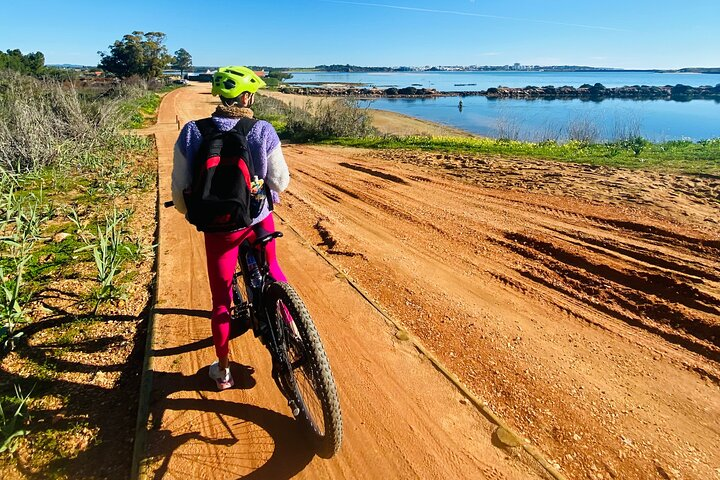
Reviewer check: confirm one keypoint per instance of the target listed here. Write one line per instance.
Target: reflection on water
(558, 119)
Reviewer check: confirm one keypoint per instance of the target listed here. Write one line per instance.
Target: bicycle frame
(261, 322)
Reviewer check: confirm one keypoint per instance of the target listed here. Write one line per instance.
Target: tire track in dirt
(591, 321)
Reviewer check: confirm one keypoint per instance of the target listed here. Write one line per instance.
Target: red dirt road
(582, 304)
(402, 418)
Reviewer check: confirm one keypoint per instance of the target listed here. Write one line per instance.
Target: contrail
(468, 14)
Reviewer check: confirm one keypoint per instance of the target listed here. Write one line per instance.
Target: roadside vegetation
(77, 216)
(343, 122)
(316, 121)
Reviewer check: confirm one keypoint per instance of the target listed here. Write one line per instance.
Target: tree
(32, 63)
(182, 61)
(138, 53)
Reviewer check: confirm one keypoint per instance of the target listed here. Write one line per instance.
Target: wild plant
(112, 178)
(508, 128)
(80, 224)
(107, 253)
(9, 204)
(583, 130)
(11, 425)
(139, 252)
(636, 144)
(626, 127)
(18, 244)
(145, 180)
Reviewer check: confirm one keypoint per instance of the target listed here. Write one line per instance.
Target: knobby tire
(315, 362)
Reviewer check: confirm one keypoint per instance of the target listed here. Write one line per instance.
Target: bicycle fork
(281, 368)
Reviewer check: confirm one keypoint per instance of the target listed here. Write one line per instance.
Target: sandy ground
(402, 419)
(581, 303)
(386, 122)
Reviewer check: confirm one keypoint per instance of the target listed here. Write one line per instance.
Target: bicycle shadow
(249, 441)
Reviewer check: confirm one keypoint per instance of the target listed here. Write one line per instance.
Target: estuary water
(539, 119)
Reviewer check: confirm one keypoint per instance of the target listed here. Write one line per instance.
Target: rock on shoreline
(593, 92)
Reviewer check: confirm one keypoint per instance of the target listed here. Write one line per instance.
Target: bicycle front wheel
(312, 384)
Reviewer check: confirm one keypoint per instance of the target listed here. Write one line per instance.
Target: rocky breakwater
(598, 91)
(587, 91)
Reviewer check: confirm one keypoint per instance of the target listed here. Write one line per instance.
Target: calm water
(459, 81)
(657, 120)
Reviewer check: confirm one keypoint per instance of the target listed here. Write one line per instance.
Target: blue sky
(613, 33)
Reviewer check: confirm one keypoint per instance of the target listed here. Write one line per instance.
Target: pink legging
(222, 253)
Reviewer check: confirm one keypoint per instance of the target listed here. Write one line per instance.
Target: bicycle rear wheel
(312, 384)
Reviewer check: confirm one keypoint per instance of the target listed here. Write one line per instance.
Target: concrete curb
(138, 458)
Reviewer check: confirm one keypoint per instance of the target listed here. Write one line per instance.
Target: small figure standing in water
(460, 106)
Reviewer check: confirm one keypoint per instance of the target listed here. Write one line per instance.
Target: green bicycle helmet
(230, 82)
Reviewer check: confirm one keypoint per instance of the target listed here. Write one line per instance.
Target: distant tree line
(139, 53)
(355, 68)
(31, 63)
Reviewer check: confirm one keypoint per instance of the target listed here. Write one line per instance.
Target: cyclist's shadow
(256, 443)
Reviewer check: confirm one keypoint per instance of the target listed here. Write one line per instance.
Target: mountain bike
(278, 317)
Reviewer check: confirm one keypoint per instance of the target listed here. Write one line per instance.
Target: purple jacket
(265, 150)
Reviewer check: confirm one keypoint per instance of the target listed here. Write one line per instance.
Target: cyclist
(236, 87)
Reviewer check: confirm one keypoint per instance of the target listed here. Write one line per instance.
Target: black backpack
(221, 197)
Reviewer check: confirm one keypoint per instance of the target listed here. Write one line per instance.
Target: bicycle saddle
(265, 237)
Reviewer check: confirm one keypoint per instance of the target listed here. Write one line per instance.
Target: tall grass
(44, 122)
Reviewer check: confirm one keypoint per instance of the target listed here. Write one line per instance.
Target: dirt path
(402, 418)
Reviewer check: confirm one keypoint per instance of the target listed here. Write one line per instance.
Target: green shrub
(318, 120)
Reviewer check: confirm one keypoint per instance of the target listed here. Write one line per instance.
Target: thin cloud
(469, 14)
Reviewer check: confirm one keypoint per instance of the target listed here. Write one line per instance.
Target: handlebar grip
(169, 204)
